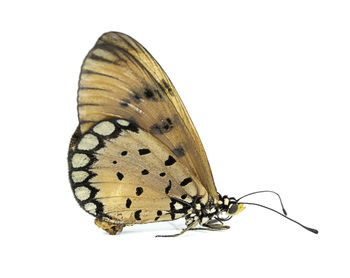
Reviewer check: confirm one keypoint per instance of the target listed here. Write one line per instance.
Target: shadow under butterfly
(136, 156)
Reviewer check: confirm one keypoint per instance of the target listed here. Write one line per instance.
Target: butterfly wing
(121, 173)
(119, 78)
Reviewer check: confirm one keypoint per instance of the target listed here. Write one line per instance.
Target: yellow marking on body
(240, 208)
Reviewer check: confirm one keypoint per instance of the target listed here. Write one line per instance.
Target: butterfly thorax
(204, 213)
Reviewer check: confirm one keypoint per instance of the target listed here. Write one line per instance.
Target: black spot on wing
(170, 161)
(120, 176)
(185, 181)
(155, 129)
(145, 172)
(149, 95)
(144, 151)
(163, 126)
(179, 151)
(139, 191)
(128, 203)
(167, 189)
(136, 97)
(137, 214)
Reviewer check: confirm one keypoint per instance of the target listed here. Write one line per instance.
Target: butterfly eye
(232, 209)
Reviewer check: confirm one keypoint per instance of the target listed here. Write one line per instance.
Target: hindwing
(121, 173)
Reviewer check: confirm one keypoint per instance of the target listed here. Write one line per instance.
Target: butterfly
(136, 156)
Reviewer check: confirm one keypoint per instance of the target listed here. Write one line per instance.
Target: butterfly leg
(217, 227)
(212, 227)
(110, 228)
(190, 227)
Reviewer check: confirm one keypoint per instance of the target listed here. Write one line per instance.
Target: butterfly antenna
(259, 205)
(268, 191)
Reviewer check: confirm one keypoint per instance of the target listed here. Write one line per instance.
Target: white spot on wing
(88, 142)
(104, 128)
(79, 176)
(123, 122)
(90, 207)
(82, 193)
(80, 160)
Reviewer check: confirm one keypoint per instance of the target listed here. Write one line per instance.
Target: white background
(267, 86)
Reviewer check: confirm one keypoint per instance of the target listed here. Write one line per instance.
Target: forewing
(119, 78)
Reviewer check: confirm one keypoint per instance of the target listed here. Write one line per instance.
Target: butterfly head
(230, 206)
(234, 208)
